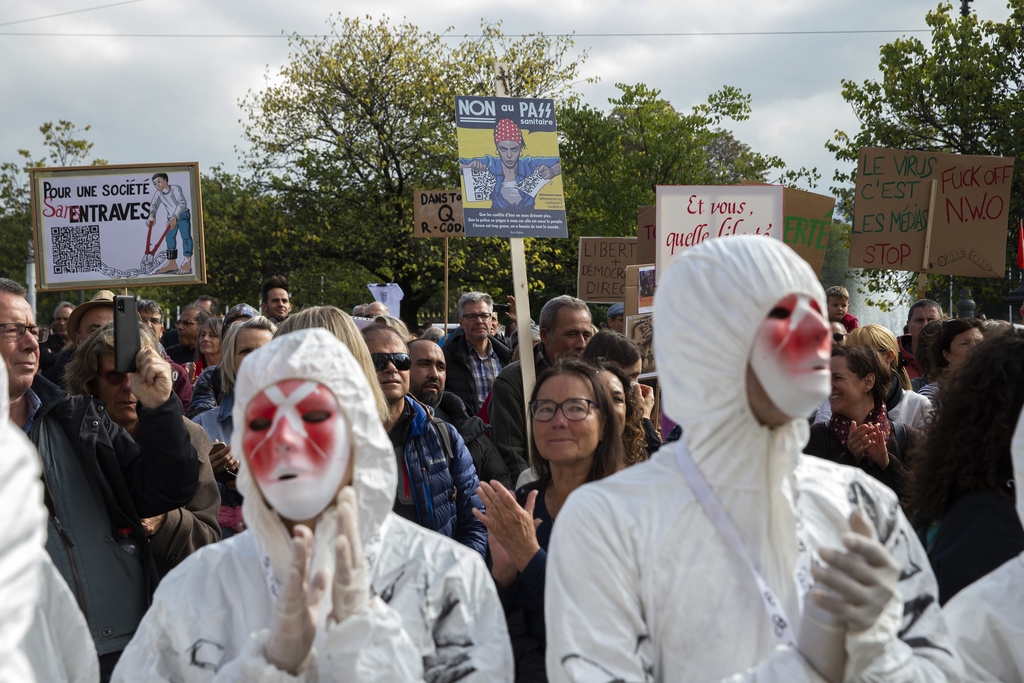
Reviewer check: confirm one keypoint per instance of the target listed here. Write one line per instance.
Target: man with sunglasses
(436, 478)
(99, 484)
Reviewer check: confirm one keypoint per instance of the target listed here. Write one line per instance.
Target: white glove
(351, 592)
(861, 581)
(822, 642)
(293, 624)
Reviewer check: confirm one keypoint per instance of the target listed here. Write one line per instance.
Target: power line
(64, 14)
(691, 34)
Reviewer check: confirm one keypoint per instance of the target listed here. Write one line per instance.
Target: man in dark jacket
(437, 481)
(99, 483)
(426, 384)
(474, 356)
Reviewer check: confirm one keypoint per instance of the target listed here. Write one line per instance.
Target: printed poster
(117, 226)
(510, 170)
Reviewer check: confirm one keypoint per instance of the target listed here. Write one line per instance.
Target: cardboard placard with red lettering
(118, 226)
(647, 239)
(437, 213)
(972, 200)
(601, 275)
(689, 214)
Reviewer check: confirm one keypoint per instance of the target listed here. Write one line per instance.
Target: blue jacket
(443, 498)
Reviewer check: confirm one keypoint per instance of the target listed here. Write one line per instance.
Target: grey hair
(549, 314)
(148, 306)
(62, 304)
(474, 298)
(12, 287)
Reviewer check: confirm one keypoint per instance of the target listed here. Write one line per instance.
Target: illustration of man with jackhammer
(179, 220)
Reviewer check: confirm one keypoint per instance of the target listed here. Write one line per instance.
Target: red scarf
(839, 425)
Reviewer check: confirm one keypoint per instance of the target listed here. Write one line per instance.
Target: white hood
(23, 532)
(708, 308)
(1017, 449)
(315, 354)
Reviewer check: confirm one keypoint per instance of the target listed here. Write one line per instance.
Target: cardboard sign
(601, 277)
(437, 214)
(117, 226)
(647, 239)
(689, 214)
(640, 328)
(510, 168)
(891, 212)
(806, 223)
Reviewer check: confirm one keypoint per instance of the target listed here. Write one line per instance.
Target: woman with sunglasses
(174, 535)
(575, 440)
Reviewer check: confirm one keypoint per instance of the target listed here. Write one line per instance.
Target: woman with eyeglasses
(574, 440)
(240, 340)
(174, 535)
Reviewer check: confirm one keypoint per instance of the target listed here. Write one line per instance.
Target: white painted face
(791, 353)
(298, 446)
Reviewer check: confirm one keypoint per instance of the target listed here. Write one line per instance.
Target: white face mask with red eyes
(790, 357)
(297, 445)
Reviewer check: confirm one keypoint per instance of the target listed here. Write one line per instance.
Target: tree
(64, 145)
(963, 94)
(359, 119)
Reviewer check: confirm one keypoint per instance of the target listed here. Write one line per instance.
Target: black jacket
(460, 379)
(473, 430)
(156, 475)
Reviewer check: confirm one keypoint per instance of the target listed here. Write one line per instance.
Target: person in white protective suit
(250, 608)
(987, 618)
(697, 565)
(43, 634)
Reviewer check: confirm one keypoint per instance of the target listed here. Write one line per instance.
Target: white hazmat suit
(987, 617)
(641, 586)
(435, 614)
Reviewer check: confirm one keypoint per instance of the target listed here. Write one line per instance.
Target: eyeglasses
(401, 361)
(187, 323)
(15, 331)
(113, 377)
(838, 338)
(474, 317)
(574, 409)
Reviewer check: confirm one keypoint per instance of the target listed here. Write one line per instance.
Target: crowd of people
(313, 495)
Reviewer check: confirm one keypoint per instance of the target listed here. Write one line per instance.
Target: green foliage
(963, 94)
(359, 119)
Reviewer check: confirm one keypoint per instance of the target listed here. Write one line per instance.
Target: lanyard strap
(782, 628)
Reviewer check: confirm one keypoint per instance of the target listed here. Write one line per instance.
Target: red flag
(1020, 244)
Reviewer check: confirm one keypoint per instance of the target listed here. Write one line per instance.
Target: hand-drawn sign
(438, 213)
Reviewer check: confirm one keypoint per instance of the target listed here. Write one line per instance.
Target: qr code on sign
(479, 185)
(76, 249)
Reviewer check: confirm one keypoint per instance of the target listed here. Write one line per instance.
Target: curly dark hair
(926, 338)
(634, 440)
(608, 457)
(949, 331)
(967, 446)
(864, 361)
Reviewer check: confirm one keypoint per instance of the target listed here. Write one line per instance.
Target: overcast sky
(154, 90)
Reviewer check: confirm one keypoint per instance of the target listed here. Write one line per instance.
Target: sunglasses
(113, 377)
(838, 338)
(401, 361)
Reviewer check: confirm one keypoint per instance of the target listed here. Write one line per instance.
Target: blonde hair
(340, 324)
(228, 362)
(881, 339)
(84, 366)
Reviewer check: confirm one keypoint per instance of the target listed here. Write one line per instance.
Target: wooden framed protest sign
(117, 226)
(931, 212)
(510, 168)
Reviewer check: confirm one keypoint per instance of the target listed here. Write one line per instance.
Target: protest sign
(806, 223)
(689, 214)
(117, 226)
(640, 328)
(969, 221)
(510, 169)
(437, 214)
(601, 277)
(647, 240)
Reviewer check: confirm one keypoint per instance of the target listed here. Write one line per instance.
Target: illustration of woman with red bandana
(514, 179)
